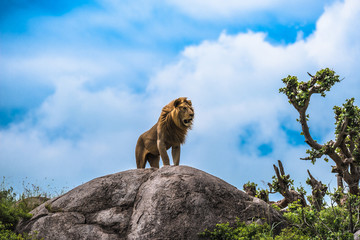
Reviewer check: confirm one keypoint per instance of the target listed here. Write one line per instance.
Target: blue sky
(81, 80)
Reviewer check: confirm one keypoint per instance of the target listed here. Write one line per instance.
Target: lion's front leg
(175, 151)
(162, 150)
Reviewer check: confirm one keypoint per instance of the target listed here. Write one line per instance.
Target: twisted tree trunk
(318, 192)
(289, 195)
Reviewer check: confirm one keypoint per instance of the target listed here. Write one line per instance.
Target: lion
(175, 120)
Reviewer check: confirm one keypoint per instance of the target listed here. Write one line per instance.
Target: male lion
(170, 131)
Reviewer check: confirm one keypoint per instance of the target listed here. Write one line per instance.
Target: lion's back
(149, 139)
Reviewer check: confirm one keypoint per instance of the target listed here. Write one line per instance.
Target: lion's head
(177, 117)
(183, 112)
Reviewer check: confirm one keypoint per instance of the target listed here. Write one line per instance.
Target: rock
(357, 235)
(173, 202)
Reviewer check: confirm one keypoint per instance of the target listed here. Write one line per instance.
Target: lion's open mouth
(187, 122)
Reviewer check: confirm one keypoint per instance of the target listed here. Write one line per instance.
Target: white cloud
(75, 135)
(336, 40)
(78, 133)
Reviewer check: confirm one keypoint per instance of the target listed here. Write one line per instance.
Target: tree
(345, 149)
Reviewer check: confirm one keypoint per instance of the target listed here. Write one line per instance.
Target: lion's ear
(189, 102)
(177, 102)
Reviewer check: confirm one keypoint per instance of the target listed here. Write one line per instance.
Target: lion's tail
(140, 153)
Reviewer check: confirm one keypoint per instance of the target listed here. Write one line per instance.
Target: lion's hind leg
(154, 160)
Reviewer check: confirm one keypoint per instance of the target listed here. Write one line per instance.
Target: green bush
(14, 207)
(252, 231)
(6, 234)
(241, 231)
(332, 222)
(10, 211)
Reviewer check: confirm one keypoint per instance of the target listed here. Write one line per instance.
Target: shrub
(10, 212)
(329, 223)
(241, 231)
(333, 222)
(14, 207)
(6, 234)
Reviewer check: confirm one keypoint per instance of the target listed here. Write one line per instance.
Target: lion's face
(186, 113)
(178, 111)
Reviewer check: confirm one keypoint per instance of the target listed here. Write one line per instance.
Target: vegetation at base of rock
(10, 211)
(337, 219)
(14, 207)
(332, 222)
(6, 234)
(241, 231)
(252, 231)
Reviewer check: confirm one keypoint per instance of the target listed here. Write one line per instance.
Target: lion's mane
(169, 122)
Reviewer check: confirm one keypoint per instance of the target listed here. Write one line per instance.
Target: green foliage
(250, 184)
(259, 193)
(241, 232)
(10, 211)
(14, 207)
(334, 222)
(299, 93)
(348, 126)
(314, 154)
(349, 113)
(304, 223)
(294, 91)
(6, 234)
(301, 190)
(263, 194)
(337, 195)
(252, 231)
(291, 233)
(329, 223)
(275, 185)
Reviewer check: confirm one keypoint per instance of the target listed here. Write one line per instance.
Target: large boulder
(173, 202)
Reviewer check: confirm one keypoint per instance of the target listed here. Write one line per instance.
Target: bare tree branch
(281, 185)
(305, 128)
(318, 192)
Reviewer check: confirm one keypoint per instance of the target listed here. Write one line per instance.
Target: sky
(81, 80)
